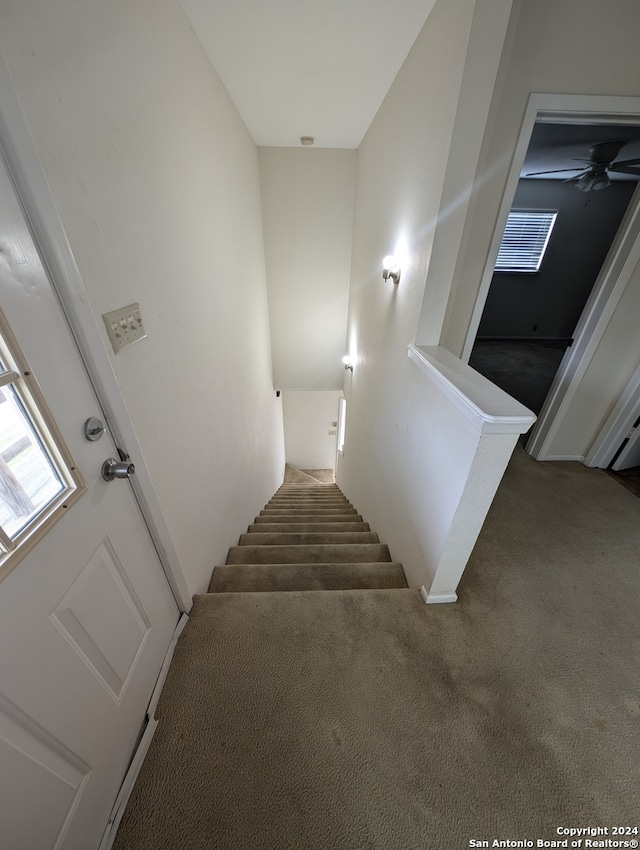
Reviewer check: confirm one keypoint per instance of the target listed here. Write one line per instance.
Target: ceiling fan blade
(555, 171)
(603, 153)
(623, 163)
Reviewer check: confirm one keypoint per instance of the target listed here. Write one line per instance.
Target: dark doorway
(529, 319)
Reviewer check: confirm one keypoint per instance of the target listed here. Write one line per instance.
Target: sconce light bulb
(390, 269)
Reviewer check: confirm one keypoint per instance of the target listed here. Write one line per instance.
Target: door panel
(86, 616)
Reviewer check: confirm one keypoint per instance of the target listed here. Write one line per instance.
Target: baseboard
(559, 339)
(437, 598)
(579, 458)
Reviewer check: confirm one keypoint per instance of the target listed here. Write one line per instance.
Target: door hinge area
(631, 432)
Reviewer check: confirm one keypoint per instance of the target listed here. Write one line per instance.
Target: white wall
(309, 419)
(557, 48)
(408, 452)
(157, 183)
(307, 202)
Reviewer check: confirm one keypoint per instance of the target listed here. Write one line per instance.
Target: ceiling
(555, 146)
(316, 68)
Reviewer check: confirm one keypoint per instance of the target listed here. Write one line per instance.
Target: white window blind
(525, 240)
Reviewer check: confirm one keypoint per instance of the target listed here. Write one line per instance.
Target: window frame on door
(17, 375)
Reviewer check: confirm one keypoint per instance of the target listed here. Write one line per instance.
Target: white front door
(86, 615)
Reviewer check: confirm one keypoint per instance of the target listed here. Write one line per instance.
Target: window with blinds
(525, 240)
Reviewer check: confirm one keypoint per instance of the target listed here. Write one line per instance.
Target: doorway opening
(311, 424)
(587, 173)
(615, 276)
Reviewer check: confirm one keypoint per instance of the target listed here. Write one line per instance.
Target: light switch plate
(124, 326)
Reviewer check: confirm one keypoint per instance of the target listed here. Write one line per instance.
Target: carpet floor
(523, 368)
(365, 720)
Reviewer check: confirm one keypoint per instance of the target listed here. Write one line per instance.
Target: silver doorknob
(113, 468)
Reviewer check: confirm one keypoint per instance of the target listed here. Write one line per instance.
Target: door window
(342, 423)
(38, 477)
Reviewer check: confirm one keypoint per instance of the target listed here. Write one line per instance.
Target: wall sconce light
(348, 363)
(390, 269)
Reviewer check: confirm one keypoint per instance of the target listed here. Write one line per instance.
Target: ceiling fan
(595, 174)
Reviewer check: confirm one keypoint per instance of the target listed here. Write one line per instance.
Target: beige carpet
(294, 475)
(364, 719)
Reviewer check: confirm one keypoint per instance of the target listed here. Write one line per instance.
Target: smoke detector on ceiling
(306, 140)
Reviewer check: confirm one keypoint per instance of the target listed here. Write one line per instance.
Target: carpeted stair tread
(304, 492)
(292, 577)
(312, 487)
(318, 554)
(301, 527)
(308, 518)
(208, 604)
(320, 502)
(317, 493)
(308, 509)
(308, 477)
(313, 484)
(307, 538)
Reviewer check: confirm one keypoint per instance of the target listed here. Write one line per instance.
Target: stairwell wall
(307, 213)
(156, 179)
(408, 452)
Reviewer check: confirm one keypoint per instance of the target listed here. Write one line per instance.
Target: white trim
(141, 751)
(490, 39)
(607, 291)
(437, 599)
(567, 109)
(126, 788)
(39, 206)
(617, 426)
(164, 670)
(489, 409)
(578, 458)
(616, 270)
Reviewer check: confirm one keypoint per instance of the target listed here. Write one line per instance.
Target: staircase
(289, 716)
(308, 537)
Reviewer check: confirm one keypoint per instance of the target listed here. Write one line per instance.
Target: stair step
(308, 485)
(319, 519)
(306, 527)
(334, 553)
(291, 577)
(308, 499)
(308, 510)
(307, 538)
